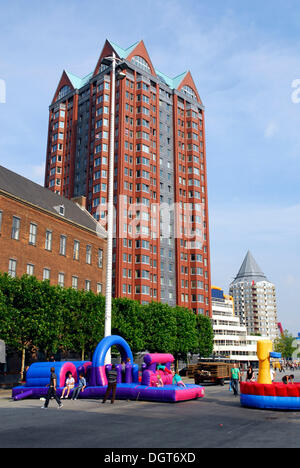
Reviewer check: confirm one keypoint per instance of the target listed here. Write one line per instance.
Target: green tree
(51, 320)
(83, 315)
(160, 328)
(128, 322)
(22, 319)
(34, 314)
(284, 345)
(186, 333)
(5, 317)
(205, 336)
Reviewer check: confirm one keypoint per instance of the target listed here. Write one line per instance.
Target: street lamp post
(110, 214)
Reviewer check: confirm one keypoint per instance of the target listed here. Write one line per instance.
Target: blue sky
(243, 56)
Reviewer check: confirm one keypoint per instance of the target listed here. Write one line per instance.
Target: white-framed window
(88, 285)
(61, 279)
(75, 282)
(48, 241)
(12, 268)
(63, 245)
(76, 250)
(30, 269)
(99, 288)
(141, 63)
(89, 254)
(100, 258)
(32, 234)
(15, 232)
(46, 274)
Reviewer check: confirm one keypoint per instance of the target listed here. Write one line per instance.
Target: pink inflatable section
(157, 358)
(165, 377)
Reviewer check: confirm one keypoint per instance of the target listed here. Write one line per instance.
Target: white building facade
(231, 341)
(255, 300)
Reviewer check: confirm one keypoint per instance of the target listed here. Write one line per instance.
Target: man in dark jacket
(112, 384)
(52, 390)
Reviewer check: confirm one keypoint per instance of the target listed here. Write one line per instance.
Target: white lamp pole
(110, 214)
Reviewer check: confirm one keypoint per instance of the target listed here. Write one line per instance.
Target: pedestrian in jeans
(235, 379)
(112, 385)
(80, 388)
(52, 390)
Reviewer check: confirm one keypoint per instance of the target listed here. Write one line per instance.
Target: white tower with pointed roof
(255, 299)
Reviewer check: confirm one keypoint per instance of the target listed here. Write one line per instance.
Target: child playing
(80, 388)
(177, 380)
(159, 381)
(70, 384)
(163, 368)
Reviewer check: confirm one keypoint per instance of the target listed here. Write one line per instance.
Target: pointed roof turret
(123, 53)
(78, 82)
(250, 271)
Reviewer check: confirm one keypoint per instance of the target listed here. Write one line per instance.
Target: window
(32, 234)
(89, 254)
(48, 242)
(141, 63)
(30, 269)
(46, 274)
(63, 245)
(64, 91)
(76, 250)
(12, 268)
(99, 288)
(75, 282)
(189, 92)
(61, 279)
(87, 285)
(15, 232)
(100, 258)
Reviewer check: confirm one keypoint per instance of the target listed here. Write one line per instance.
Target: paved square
(218, 420)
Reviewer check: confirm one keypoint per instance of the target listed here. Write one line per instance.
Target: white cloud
(271, 130)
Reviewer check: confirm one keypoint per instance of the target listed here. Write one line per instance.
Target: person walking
(80, 388)
(112, 385)
(235, 379)
(123, 371)
(250, 374)
(52, 390)
(272, 374)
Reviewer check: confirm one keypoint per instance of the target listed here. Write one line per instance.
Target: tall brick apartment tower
(161, 247)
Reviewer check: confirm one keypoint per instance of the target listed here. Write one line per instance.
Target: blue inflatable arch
(98, 363)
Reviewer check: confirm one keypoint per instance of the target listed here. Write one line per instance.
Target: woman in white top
(70, 384)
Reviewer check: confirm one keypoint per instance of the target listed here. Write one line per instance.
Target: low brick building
(48, 236)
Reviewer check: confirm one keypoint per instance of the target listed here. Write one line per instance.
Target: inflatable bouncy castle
(265, 394)
(156, 367)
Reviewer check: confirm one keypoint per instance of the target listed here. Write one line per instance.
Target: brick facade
(160, 161)
(27, 253)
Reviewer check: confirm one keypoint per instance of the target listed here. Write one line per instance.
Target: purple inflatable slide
(156, 366)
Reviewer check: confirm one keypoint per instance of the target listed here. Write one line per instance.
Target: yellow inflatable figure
(264, 348)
